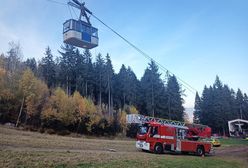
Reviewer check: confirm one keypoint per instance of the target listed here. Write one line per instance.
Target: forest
(219, 104)
(74, 93)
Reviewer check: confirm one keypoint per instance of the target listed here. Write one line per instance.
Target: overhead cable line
(74, 12)
(185, 84)
(53, 1)
(70, 11)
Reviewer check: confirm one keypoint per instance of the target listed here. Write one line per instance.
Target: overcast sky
(195, 39)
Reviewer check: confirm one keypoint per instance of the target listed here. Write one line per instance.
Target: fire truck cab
(158, 138)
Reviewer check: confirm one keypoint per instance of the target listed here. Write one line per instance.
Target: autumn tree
(34, 93)
(11, 68)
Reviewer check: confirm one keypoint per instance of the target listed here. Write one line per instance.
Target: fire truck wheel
(200, 151)
(158, 148)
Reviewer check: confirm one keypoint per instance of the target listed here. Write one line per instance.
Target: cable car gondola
(80, 33)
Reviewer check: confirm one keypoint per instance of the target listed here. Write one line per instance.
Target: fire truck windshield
(143, 130)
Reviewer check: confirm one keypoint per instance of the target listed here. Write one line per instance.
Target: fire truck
(160, 135)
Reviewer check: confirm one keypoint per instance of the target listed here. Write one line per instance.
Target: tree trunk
(86, 88)
(100, 93)
(124, 99)
(78, 126)
(67, 85)
(20, 112)
(111, 105)
(108, 96)
(153, 101)
(169, 104)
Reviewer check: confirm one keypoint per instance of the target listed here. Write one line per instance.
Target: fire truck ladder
(141, 119)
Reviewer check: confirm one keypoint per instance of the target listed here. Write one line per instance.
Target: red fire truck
(159, 135)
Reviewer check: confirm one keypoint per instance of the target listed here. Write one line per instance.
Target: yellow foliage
(34, 91)
(64, 106)
(27, 82)
(92, 112)
(130, 109)
(80, 104)
(90, 107)
(133, 110)
(3, 90)
(122, 119)
(49, 113)
(2, 73)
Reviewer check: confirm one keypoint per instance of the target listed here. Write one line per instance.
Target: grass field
(32, 149)
(233, 141)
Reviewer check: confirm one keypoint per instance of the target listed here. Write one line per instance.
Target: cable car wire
(74, 11)
(60, 3)
(185, 84)
(70, 11)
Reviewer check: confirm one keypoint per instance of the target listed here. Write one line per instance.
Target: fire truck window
(181, 134)
(143, 130)
(155, 130)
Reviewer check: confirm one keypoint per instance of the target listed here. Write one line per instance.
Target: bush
(64, 132)
(132, 130)
(42, 130)
(50, 131)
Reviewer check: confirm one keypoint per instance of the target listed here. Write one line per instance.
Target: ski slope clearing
(32, 149)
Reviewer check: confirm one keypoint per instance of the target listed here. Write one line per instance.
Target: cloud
(5, 35)
(32, 42)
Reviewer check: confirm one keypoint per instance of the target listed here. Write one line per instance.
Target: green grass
(177, 162)
(233, 141)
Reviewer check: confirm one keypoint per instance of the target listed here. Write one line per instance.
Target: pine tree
(80, 72)
(151, 91)
(48, 68)
(99, 72)
(239, 104)
(197, 109)
(89, 74)
(175, 100)
(219, 105)
(31, 64)
(120, 87)
(67, 68)
(245, 111)
(109, 74)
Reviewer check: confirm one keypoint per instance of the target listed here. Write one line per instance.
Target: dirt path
(233, 153)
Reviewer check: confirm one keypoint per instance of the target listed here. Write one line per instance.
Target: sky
(194, 39)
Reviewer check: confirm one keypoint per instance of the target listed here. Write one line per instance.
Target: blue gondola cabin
(81, 34)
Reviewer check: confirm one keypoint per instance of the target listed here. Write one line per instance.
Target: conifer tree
(197, 109)
(175, 100)
(48, 68)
